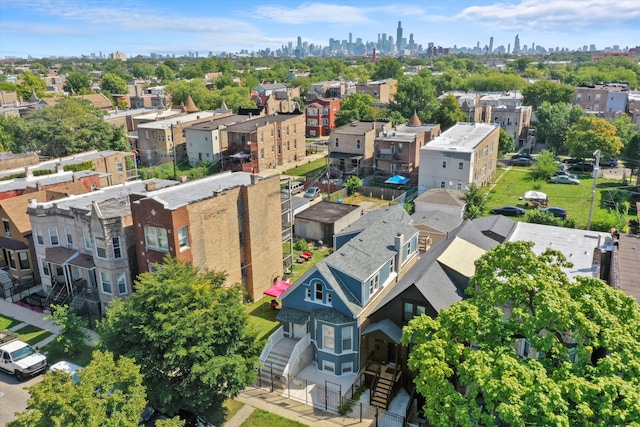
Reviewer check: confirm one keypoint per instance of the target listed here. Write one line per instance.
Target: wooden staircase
(58, 295)
(384, 386)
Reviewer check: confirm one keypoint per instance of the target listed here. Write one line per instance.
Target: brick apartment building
(321, 116)
(352, 147)
(383, 91)
(228, 222)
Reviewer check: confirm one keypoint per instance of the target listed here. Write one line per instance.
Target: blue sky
(74, 27)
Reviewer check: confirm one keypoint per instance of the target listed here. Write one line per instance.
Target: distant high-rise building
(299, 42)
(592, 48)
(508, 48)
(516, 44)
(350, 38)
(491, 44)
(399, 36)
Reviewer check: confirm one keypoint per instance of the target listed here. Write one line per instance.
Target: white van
(294, 187)
(19, 358)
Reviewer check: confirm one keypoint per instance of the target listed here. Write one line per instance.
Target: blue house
(328, 305)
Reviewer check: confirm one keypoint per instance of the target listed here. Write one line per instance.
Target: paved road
(13, 396)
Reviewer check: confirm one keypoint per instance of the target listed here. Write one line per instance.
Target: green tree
(353, 108)
(545, 165)
(554, 121)
(73, 334)
(520, 64)
(387, 68)
(108, 392)
(197, 88)
(415, 93)
(188, 332)
(77, 83)
(475, 199)
(492, 80)
(590, 134)
(142, 70)
(173, 64)
(449, 113)
(72, 126)
(113, 84)
(529, 347)
(631, 152)
(624, 129)
(353, 183)
(546, 90)
(235, 97)
(165, 73)
(31, 85)
(13, 132)
(505, 143)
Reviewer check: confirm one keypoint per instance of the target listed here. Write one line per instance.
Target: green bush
(77, 167)
(300, 245)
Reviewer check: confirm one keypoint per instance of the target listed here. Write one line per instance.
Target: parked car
(312, 193)
(611, 162)
(293, 187)
(563, 179)
(565, 173)
(521, 156)
(521, 161)
(556, 211)
(581, 167)
(67, 367)
(508, 211)
(573, 160)
(19, 358)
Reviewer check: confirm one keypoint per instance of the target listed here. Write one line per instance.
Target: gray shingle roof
(497, 225)
(293, 315)
(331, 315)
(387, 327)
(437, 220)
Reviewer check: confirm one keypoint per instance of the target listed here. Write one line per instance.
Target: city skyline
(42, 28)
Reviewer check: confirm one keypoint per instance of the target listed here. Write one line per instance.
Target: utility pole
(593, 188)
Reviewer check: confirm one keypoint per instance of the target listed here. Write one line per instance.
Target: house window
(262, 153)
(121, 280)
(119, 167)
(24, 260)
(261, 137)
(328, 366)
(460, 165)
(86, 236)
(53, 236)
(328, 298)
(318, 296)
(347, 367)
(39, 237)
(7, 227)
(153, 267)
(374, 284)
(69, 238)
(183, 236)
(307, 294)
(45, 268)
(337, 142)
(525, 347)
(444, 163)
(12, 261)
(411, 310)
(459, 186)
(105, 282)
(443, 184)
(328, 337)
(156, 238)
(347, 338)
(357, 144)
(101, 248)
(392, 265)
(117, 249)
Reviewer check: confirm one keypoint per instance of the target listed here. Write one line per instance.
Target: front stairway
(385, 386)
(277, 359)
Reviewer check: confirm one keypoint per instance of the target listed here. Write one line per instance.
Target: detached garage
(322, 220)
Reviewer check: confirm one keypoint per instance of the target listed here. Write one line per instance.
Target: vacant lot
(576, 199)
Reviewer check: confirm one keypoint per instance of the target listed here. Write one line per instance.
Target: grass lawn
(576, 199)
(32, 335)
(260, 418)
(220, 415)
(7, 322)
(303, 170)
(53, 355)
(262, 318)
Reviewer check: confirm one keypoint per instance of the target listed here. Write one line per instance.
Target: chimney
(59, 168)
(254, 178)
(74, 177)
(398, 242)
(150, 186)
(38, 186)
(27, 172)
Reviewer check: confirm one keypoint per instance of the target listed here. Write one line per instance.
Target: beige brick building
(228, 222)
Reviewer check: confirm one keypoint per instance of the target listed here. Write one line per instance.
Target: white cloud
(308, 13)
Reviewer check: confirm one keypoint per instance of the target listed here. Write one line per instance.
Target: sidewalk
(256, 398)
(37, 319)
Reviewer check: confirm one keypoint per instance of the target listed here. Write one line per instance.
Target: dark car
(521, 161)
(581, 167)
(521, 156)
(573, 160)
(508, 211)
(556, 211)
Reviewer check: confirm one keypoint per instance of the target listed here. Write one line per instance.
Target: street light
(593, 188)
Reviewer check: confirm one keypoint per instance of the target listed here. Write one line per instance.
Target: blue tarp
(397, 179)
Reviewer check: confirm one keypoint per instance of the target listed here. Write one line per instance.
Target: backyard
(510, 185)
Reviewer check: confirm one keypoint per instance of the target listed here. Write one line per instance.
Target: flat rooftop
(167, 123)
(159, 115)
(215, 123)
(358, 128)
(44, 180)
(253, 123)
(461, 137)
(576, 245)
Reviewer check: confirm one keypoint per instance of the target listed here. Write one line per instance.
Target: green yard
(32, 335)
(8, 322)
(260, 418)
(303, 170)
(511, 185)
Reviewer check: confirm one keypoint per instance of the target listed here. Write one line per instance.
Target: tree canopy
(449, 113)
(505, 143)
(353, 108)
(529, 347)
(593, 133)
(546, 90)
(77, 83)
(387, 68)
(108, 392)
(31, 86)
(415, 94)
(554, 121)
(113, 84)
(188, 332)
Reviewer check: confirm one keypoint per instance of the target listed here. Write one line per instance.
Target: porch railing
(296, 355)
(271, 342)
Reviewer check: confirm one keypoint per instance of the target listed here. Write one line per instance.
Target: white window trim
(103, 247)
(39, 236)
(56, 234)
(157, 246)
(102, 283)
(118, 282)
(113, 247)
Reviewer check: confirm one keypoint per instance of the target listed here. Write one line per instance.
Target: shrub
(353, 182)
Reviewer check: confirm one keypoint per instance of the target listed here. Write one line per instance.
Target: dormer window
(318, 292)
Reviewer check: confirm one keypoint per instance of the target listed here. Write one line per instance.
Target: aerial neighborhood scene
(319, 214)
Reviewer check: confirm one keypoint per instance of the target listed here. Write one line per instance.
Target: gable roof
(442, 196)
(431, 278)
(438, 220)
(498, 227)
(461, 264)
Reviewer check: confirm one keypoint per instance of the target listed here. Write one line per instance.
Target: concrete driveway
(13, 396)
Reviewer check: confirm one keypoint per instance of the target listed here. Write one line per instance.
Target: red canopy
(277, 289)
